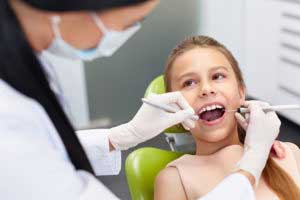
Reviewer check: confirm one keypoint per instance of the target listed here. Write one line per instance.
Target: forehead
(200, 59)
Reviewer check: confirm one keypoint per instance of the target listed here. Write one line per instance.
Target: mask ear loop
(99, 23)
(55, 22)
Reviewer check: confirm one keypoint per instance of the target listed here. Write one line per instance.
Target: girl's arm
(168, 185)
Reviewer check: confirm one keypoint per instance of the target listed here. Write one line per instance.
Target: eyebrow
(193, 73)
(178, 78)
(218, 67)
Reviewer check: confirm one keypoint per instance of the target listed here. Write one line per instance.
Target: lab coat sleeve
(94, 190)
(234, 187)
(96, 145)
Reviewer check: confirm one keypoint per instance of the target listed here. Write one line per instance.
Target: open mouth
(212, 112)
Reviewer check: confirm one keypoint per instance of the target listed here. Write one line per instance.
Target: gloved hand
(277, 149)
(150, 121)
(262, 130)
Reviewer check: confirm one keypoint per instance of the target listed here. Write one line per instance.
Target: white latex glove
(150, 121)
(262, 130)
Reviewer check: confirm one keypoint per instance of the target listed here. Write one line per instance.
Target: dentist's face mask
(110, 42)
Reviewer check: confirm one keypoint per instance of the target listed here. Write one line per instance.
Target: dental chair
(143, 165)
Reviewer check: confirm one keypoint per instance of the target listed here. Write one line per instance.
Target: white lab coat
(33, 162)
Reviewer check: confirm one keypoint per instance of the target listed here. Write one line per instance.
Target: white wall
(268, 76)
(223, 20)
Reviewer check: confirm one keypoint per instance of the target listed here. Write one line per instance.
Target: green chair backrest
(141, 168)
(157, 86)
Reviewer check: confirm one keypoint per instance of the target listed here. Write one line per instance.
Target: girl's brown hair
(276, 178)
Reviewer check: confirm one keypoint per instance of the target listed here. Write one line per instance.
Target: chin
(217, 134)
(212, 136)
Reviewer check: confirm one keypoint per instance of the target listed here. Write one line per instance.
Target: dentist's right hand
(262, 130)
(150, 121)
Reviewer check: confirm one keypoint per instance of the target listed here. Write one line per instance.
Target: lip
(215, 122)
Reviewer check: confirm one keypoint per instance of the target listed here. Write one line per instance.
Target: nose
(206, 90)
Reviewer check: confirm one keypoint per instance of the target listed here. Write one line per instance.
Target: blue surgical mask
(110, 42)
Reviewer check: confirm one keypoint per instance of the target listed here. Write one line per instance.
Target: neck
(207, 148)
(35, 24)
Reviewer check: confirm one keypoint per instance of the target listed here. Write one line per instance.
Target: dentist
(42, 157)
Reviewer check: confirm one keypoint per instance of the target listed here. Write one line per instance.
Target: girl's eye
(189, 83)
(218, 76)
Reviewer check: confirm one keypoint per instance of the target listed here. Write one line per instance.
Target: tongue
(211, 115)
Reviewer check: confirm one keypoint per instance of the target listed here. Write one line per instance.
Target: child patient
(208, 76)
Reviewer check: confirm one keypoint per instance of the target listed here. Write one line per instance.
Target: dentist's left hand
(277, 148)
(150, 121)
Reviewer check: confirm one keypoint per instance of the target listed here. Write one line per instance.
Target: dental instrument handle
(272, 108)
(160, 106)
(165, 107)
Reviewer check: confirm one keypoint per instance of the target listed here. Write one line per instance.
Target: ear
(242, 93)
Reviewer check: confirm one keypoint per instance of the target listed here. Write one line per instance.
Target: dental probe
(268, 108)
(165, 108)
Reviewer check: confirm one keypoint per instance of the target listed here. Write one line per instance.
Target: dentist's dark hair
(75, 5)
(20, 68)
(276, 178)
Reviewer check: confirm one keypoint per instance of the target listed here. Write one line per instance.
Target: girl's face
(207, 81)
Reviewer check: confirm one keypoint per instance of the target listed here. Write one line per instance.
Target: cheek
(231, 92)
(190, 96)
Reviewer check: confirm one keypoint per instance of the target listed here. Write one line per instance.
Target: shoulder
(168, 174)
(10, 96)
(15, 105)
(168, 185)
(183, 160)
(20, 116)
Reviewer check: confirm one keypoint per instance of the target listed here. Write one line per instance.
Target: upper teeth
(211, 107)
